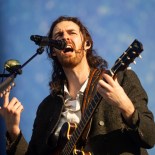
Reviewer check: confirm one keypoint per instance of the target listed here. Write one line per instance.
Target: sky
(113, 26)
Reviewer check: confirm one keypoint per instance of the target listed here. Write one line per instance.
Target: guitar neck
(67, 150)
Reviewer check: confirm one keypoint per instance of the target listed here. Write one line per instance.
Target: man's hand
(11, 112)
(115, 95)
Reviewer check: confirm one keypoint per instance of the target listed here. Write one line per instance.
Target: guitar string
(82, 124)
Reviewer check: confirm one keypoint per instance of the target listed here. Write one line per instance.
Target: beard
(71, 62)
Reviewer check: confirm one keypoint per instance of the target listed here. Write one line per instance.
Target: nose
(66, 36)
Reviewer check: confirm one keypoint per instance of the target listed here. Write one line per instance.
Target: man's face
(74, 52)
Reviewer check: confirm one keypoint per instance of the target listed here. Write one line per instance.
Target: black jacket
(109, 133)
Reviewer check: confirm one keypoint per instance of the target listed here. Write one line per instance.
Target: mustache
(70, 42)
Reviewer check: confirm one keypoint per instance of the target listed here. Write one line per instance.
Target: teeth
(68, 46)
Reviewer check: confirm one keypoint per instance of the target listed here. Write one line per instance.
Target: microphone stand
(39, 51)
(10, 77)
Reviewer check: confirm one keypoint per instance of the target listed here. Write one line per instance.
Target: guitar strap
(95, 75)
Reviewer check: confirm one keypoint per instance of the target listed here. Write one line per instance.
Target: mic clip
(13, 66)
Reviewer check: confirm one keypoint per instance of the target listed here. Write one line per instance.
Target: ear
(87, 45)
(52, 53)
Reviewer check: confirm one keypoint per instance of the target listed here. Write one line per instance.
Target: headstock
(133, 51)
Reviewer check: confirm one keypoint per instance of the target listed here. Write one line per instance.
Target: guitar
(70, 132)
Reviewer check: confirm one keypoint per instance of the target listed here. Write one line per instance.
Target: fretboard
(67, 150)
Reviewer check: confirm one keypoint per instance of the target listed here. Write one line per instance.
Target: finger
(12, 103)
(10, 87)
(12, 108)
(7, 89)
(104, 85)
(101, 90)
(116, 80)
(17, 108)
(6, 98)
(20, 109)
(1, 95)
(108, 79)
(13, 84)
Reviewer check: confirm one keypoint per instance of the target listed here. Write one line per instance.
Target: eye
(73, 33)
(58, 35)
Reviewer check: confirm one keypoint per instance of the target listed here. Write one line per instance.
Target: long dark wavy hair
(58, 76)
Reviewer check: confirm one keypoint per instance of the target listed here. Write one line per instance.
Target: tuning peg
(122, 63)
(140, 56)
(134, 62)
(128, 57)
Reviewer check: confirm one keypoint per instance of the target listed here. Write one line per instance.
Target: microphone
(45, 41)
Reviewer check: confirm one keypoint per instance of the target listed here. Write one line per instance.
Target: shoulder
(131, 83)
(129, 76)
(50, 102)
(46, 103)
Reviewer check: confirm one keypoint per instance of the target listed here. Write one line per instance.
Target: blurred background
(113, 25)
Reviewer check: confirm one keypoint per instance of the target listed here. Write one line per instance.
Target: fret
(74, 137)
(69, 147)
(94, 103)
(72, 141)
(77, 131)
(66, 150)
(79, 126)
(82, 122)
(90, 108)
(87, 114)
(96, 97)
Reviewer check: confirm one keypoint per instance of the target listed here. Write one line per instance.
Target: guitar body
(64, 136)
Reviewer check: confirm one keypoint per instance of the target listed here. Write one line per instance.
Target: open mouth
(68, 49)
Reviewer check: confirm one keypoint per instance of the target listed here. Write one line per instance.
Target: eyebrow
(60, 32)
(70, 30)
(57, 33)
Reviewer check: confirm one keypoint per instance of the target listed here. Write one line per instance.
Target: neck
(76, 77)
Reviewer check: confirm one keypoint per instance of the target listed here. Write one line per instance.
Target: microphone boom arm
(10, 77)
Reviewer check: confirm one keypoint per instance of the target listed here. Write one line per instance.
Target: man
(120, 125)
